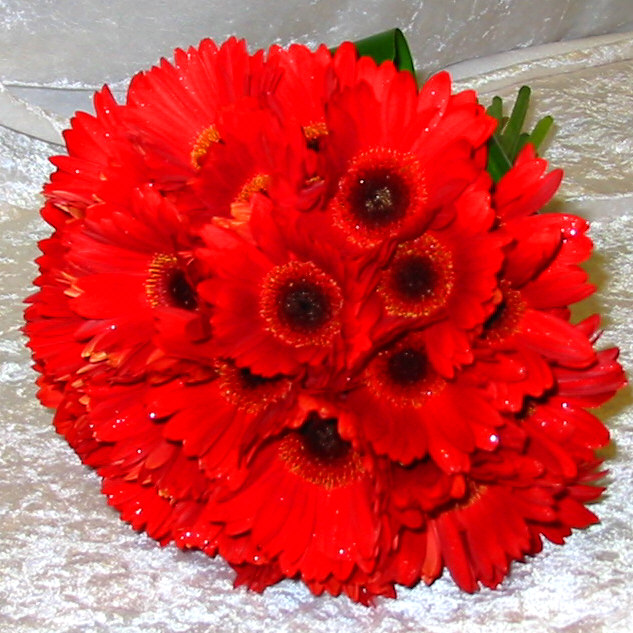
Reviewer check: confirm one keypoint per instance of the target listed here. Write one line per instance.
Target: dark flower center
(496, 319)
(252, 381)
(314, 134)
(403, 374)
(301, 304)
(420, 280)
(249, 391)
(322, 439)
(317, 453)
(167, 284)
(378, 198)
(414, 277)
(304, 306)
(181, 292)
(407, 367)
(506, 319)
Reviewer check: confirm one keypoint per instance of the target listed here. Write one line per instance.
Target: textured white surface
(68, 564)
(56, 41)
(85, 43)
(588, 90)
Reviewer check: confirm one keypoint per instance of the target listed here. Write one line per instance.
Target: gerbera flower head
(406, 410)
(202, 82)
(385, 168)
(289, 318)
(125, 287)
(308, 504)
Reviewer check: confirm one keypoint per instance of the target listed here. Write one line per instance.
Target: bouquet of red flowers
(299, 312)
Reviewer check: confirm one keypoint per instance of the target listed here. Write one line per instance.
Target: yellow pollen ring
(154, 288)
(506, 321)
(474, 493)
(313, 180)
(257, 184)
(284, 277)
(441, 266)
(205, 139)
(326, 474)
(415, 394)
(314, 131)
(254, 399)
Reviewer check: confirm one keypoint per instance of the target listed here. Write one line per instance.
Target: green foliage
(387, 46)
(509, 137)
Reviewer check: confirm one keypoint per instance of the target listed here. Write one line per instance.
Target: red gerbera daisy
(102, 164)
(276, 310)
(125, 288)
(121, 439)
(220, 420)
(395, 155)
(406, 410)
(529, 329)
(308, 503)
(173, 109)
(445, 279)
(258, 154)
(305, 73)
(51, 324)
(510, 499)
(561, 421)
(112, 430)
(288, 318)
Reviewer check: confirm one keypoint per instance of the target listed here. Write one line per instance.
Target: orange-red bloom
(288, 318)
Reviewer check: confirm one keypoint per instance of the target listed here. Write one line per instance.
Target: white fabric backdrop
(66, 562)
(82, 44)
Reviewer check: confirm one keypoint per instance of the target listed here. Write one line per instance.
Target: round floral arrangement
(296, 312)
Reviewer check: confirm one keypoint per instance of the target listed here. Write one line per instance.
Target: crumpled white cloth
(68, 564)
(56, 53)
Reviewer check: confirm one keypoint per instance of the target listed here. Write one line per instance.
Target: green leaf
(523, 139)
(514, 127)
(509, 138)
(498, 161)
(387, 46)
(495, 109)
(540, 131)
